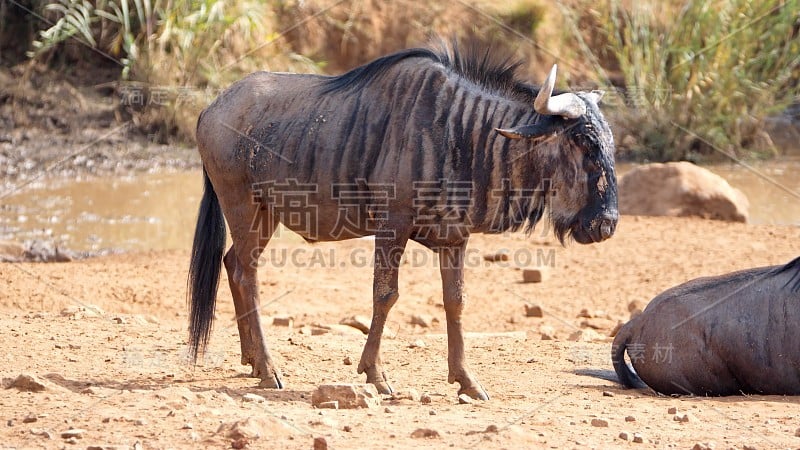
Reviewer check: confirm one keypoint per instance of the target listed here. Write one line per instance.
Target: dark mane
(483, 67)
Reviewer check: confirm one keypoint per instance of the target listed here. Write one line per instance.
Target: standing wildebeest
(722, 335)
(415, 145)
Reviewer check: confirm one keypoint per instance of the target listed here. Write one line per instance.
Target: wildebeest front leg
(388, 251)
(451, 265)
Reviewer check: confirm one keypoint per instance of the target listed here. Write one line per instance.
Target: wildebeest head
(575, 158)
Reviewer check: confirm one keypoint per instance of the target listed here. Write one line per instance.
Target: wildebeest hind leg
(241, 262)
(451, 265)
(389, 247)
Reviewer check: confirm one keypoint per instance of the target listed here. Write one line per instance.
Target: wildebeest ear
(539, 129)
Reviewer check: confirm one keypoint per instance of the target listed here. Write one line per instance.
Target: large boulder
(680, 189)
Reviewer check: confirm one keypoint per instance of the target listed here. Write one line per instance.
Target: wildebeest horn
(567, 105)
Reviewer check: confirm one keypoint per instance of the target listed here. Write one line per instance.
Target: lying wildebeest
(722, 335)
(421, 145)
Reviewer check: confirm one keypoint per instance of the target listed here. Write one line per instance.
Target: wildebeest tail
(625, 375)
(206, 263)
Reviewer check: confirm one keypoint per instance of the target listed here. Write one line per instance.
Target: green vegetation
(716, 69)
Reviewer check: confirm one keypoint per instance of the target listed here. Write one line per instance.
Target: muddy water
(158, 211)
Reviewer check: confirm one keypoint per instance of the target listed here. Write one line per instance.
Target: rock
(359, 322)
(348, 395)
(30, 418)
(638, 438)
(255, 427)
(432, 412)
(253, 398)
(680, 189)
(501, 255)
(584, 313)
(425, 433)
(41, 432)
(425, 399)
(599, 423)
(320, 443)
(597, 323)
(418, 343)
(635, 305)
(585, 335)
(630, 419)
(283, 321)
(329, 405)
(797, 432)
(11, 251)
(26, 383)
(532, 310)
(608, 394)
(334, 328)
(465, 399)
(423, 320)
(682, 418)
(76, 433)
(672, 410)
(411, 394)
(624, 436)
(704, 446)
(187, 426)
(548, 333)
(347, 361)
(537, 275)
(388, 410)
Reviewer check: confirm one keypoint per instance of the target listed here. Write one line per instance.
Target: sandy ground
(121, 374)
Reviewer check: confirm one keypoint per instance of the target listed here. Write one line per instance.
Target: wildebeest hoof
(383, 387)
(271, 382)
(475, 392)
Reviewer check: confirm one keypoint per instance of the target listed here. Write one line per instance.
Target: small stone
(749, 447)
(432, 412)
(423, 320)
(320, 443)
(30, 418)
(797, 432)
(465, 399)
(240, 443)
(630, 419)
(318, 331)
(585, 335)
(704, 446)
(41, 432)
(425, 433)
(388, 410)
(532, 310)
(491, 429)
(672, 410)
(329, 405)
(73, 433)
(140, 422)
(624, 436)
(187, 426)
(537, 275)
(359, 322)
(548, 333)
(637, 438)
(253, 398)
(411, 394)
(608, 394)
(72, 440)
(348, 395)
(501, 255)
(25, 383)
(634, 305)
(347, 361)
(425, 399)
(599, 423)
(682, 418)
(418, 343)
(283, 321)
(347, 428)
(584, 313)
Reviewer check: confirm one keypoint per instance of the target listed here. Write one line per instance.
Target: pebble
(608, 394)
(624, 436)
(599, 423)
(630, 419)
(41, 432)
(426, 433)
(423, 320)
(637, 438)
(347, 395)
(419, 343)
(585, 335)
(465, 399)
(360, 322)
(432, 412)
(704, 446)
(140, 422)
(426, 399)
(532, 310)
(283, 321)
(187, 426)
(347, 361)
(329, 405)
(320, 443)
(548, 333)
(682, 418)
(535, 275)
(347, 428)
(388, 410)
(501, 255)
(30, 418)
(253, 398)
(73, 433)
(672, 410)
(411, 394)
